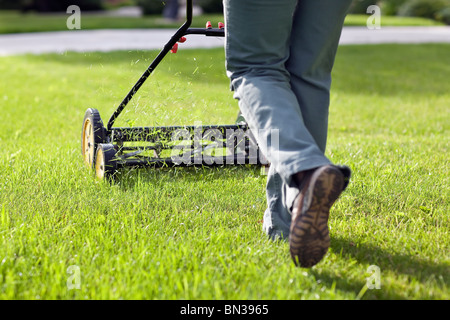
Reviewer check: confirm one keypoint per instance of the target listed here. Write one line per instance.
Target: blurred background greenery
(433, 9)
(438, 10)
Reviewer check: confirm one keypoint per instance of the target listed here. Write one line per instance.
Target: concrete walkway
(148, 39)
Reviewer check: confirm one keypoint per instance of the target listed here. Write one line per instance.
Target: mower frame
(103, 147)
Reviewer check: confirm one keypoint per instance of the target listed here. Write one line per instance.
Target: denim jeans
(279, 58)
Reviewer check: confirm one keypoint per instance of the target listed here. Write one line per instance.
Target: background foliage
(433, 9)
(50, 5)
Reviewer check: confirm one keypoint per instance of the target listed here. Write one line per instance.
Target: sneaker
(309, 237)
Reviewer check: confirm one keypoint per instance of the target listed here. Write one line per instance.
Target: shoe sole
(309, 237)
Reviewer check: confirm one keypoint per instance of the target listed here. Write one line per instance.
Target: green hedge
(150, 7)
(360, 6)
(210, 6)
(156, 6)
(50, 5)
(444, 15)
(423, 8)
(390, 7)
(10, 4)
(411, 8)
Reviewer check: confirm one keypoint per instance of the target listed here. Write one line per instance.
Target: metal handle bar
(182, 31)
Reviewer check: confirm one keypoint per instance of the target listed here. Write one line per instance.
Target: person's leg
(314, 41)
(258, 35)
(257, 49)
(277, 216)
(315, 37)
(258, 45)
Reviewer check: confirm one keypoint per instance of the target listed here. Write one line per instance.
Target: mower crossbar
(236, 141)
(169, 162)
(154, 134)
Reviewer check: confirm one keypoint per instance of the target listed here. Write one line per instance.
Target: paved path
(147, 39)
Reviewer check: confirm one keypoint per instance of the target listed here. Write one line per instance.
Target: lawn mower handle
(177, 36)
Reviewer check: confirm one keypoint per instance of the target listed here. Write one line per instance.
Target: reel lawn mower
(108, 149)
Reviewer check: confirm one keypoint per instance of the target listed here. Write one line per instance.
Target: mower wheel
(105, 162)
(92, 134)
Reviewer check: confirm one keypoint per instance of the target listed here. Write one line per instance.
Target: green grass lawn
(391, 21)
(197, 233)
(14, 22)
